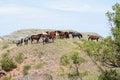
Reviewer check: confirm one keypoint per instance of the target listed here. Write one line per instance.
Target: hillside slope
(44, 60)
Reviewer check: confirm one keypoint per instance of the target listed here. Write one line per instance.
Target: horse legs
(37, 40)
(97, 39)
(17, 44)
(26, 42)
(43, 42)
(52, 39)
(31, 40)
(90, 38)
(72, 36)
(43, 39)
(79, 37)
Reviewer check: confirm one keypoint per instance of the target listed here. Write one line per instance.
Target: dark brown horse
(93, 37)
(35, 37)
(63, 34)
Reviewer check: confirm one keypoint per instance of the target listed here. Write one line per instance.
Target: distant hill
(27, 32)
(1, 39)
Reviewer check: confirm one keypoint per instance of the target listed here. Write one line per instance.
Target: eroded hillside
(36, 61)
(44, 60)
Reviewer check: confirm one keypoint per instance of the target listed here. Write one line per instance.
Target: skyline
(82, 16)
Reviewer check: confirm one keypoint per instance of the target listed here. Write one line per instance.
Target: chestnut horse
(50, 35)
(63, 34)
(93, 37)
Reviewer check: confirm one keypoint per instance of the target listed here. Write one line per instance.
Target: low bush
(8, 64)
(109, 75)
(19, 58)
(26, 69)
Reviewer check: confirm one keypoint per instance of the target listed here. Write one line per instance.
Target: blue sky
(79, 15)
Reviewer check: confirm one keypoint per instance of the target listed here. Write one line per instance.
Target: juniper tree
(114, 19)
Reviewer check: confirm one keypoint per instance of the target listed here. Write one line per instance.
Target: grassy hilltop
(27, 32)
(42, 62)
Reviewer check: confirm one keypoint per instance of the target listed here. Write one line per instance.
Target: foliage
(63, 71)
(25, 69)
(5, 55)
(39, 65)
(114, 18)
(93, 49)
(19, 58)
(102, 51)
(72, 74)
(109, 75)
(84, 73)
(7, 64)
(73, 61)
(64, 60)
(5, 46)
(76, 58)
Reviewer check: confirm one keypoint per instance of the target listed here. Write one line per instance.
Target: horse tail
(97, 39)
(81, 35)
(72, 36)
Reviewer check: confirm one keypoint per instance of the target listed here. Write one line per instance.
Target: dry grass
(46, 58)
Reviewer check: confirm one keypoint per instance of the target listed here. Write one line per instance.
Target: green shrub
(19, 58)
(39, 65)
(72, 74)
(109, 75)
(84, 73)
(5, 55)
(5, 46)
(76, 58)
(8, 64)
(64, 60)
(25, 69)
(76, 61)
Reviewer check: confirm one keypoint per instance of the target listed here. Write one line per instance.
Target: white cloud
(24, 11)
(30, 11)
(78, 7)
(11, 10)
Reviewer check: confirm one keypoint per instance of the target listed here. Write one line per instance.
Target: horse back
(93, 37)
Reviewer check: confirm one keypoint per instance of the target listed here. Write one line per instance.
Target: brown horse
(63, 34)
(93, 37)
(35, 37)
(50, 35)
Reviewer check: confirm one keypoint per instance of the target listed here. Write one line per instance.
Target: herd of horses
(53, 35)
